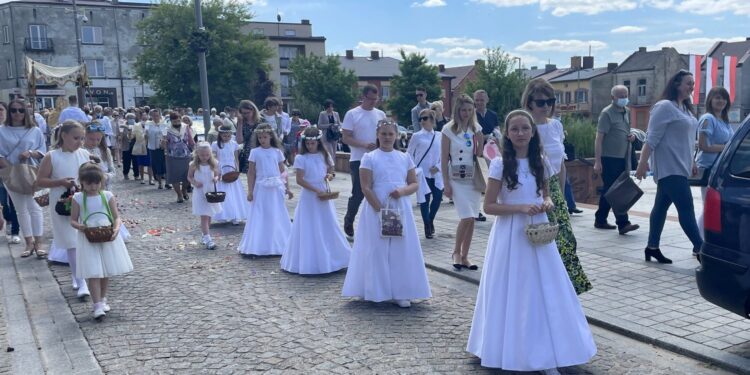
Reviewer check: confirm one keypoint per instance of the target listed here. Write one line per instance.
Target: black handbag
(333, 133)
(64, 204)
(624, 192)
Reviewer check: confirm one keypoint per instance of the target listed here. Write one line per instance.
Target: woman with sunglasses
(21, 141)
(669, 145)
(458, 156)
(9, 210)
(246, 124)
(424, 149)
(539, 100)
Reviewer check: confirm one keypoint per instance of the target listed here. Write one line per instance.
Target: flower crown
(310, 137)
(266, 130)
(386, 122)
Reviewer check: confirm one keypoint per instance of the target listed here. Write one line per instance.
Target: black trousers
(128, 161)
(611, 169)
(355, 200)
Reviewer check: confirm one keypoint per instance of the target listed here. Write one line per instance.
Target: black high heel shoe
(427, 231)
(656, 253)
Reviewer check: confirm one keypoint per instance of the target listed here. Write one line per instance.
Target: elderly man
(610, 150)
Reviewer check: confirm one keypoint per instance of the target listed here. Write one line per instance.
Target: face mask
(622, 102)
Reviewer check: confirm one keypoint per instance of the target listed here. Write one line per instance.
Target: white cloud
(556, 45)
(628, 30)
(658, 4)
(694, 30)
(506, 3)
(703, 7)
(695, 45)
(392, 49)
(462, 53)
(620, 55)
(454, 42)
(561, 8)
(429, 4)
(257, 3)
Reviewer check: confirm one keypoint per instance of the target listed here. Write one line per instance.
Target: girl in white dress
(203, 174)
(97, 262)
(317, 244)
(527, 315)
(234, 208)
(59, 173)
(268, 226)
(392, 268)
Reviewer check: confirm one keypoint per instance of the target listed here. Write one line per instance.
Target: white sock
(72, 262)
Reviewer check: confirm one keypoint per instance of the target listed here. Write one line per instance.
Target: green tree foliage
(415, 72)
(170, 65)
(319, 78)
(502, 81)
(262, 88)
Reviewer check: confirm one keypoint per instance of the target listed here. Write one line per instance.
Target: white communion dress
(98, 260)
(64, 165)
(235, 207)
(390, 268)
(201, 207)
(317, 244)
(527, 315)
(268, 226)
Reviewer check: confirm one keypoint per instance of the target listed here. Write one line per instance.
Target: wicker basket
(99, 234)
(230, 177)
(42, 199)
(328, 194)
(541, 233)
(215, 196)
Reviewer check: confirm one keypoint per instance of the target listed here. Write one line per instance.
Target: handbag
(480, 183)
(98, 234)
(390, 221)
(21, 177)
(333, 133)
(624, 192)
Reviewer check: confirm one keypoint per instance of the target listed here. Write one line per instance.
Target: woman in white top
(424, 149)
(458, 148)
(156, 129)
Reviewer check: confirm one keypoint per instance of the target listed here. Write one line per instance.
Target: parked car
(723, 276)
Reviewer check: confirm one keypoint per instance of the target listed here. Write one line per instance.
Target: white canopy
(53, 74)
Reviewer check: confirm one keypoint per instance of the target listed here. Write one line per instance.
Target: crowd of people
(515, 326)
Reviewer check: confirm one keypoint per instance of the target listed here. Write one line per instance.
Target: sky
(457, 32)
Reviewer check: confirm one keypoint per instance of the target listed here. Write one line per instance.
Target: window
(567, 97)
(626, 83)
(6, 34)
(385, 92)
(558, 96)
(642, 87)
(259, 31)
(91, 35)
(290, 32)
(288, 53)
(287, 82)
(740, 164)
(38, 36)
(9, 68)
(582, 96)
(95, 67)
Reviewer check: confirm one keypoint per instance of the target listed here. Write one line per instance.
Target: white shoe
(235, 222)
(15, 240)
(551, 371)
(210, 244)
(403, 303)
(105, 305)
(83, 289)
(74, 283)
(99, 311)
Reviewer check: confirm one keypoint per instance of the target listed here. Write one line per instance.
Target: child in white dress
(383, 269)
(97, 262)
(317, 244)
(268, 226)
(203, 174)
(235, 207)
(527, 315)
(59, 173)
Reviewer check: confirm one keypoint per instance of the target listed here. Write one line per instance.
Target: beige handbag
(20, 178)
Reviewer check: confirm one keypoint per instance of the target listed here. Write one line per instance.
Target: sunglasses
(17, 110)
(541, 102)
(425, 118)
(467, 137)
(95, 128)
(420, 95)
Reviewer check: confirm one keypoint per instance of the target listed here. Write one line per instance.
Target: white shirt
(40, 122)
(419, 144)
(363, 124)
(552, 136)
(73, 113)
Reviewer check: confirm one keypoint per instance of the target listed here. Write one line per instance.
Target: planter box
(585, 185)
(342, 162)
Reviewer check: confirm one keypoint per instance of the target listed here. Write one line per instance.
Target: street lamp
(201, 50)
(519, 62)
(79, 89)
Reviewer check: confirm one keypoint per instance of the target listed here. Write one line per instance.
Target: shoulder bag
(20, 177)
(624, 192)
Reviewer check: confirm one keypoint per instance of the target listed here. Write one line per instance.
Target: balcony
(38, 45)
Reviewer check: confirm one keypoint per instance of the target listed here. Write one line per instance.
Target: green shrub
(581, 133)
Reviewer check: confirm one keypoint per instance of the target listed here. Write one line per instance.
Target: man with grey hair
(611, 150)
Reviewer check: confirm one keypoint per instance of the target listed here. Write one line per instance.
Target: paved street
(186, 309)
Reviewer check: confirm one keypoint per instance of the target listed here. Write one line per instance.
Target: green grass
(581, 133)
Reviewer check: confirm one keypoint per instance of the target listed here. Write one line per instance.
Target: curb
(721, 359)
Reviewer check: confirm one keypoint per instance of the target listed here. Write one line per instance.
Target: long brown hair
(721, 92)
(28, 115)
(510, 163)
(671, 91)
(537, 86)
(313, 132)
(265, 128)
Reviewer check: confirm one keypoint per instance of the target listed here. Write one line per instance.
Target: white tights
(72, 262)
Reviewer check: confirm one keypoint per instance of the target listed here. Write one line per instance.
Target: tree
(169, 62)
(415, 72)
(319, 78)
(503, 83)
(262, 88)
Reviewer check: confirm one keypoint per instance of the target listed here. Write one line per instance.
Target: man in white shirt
(72, 112)
(359, 132)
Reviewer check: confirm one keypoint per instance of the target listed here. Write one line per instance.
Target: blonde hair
(265, 128)
(65, 128)
(454, 125)
(212, 162)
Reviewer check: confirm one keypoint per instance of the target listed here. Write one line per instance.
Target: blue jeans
(673, 189)
(429, 209)
(9, 211)
(569, 199)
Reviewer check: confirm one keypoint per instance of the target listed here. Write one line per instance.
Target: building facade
(44, 30)
(741, 50)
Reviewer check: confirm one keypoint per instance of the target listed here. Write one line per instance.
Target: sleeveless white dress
(64, 237)
(268, 226)
(527, 315)
(235, 206)
(317, 244)
(465, 197)
(201, 207)
(97, 260)
(383, 269)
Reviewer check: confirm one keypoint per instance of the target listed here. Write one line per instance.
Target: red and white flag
(730, 75)
(712, 73)
(695, 69)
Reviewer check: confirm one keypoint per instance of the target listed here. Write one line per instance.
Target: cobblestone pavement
(186, 309)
